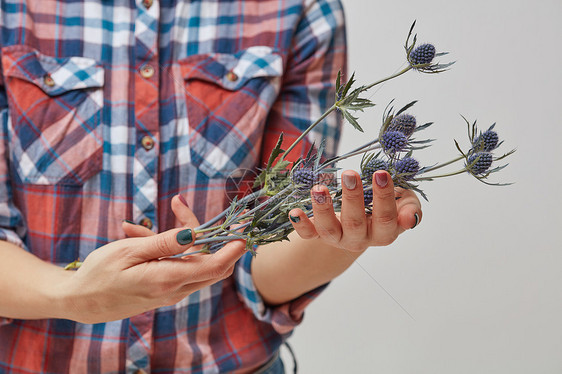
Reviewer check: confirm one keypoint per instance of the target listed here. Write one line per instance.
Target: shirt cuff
(285, 317)
(12, 237)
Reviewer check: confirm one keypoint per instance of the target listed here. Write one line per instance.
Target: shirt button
(49, 81)
(147, 71)
(147, 142)
(147, 3)
(146, 222)
(231, 76)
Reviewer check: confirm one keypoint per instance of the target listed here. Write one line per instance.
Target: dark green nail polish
(294, 219)
(131, 222)
(185, 236)
(417, 220)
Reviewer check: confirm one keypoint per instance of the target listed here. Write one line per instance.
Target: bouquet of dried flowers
(262, 217)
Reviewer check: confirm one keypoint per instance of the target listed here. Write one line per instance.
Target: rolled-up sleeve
(283, 318)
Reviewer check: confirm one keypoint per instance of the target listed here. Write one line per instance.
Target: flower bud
(479, 162)
(405, 123)
(368, 196)
(486, 142)
(304, 178)
(407, 168)
(423, 54)
(394, 141)
(370, 168)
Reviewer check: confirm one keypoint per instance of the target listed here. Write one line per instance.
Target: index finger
(202, 268)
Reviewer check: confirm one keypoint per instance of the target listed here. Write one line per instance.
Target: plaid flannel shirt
(110, 108)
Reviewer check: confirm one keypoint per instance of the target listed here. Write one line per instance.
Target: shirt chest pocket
(55, 107)
(228, 99)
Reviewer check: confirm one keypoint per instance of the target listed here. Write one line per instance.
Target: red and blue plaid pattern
(212, 84)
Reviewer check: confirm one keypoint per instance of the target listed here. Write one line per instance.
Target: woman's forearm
(29, 286)
(283, 271)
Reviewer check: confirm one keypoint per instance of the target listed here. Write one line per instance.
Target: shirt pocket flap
(55, 114)
(54, 76)
(233, 71)
(226, 97)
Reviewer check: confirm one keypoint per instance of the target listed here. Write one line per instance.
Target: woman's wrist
(59, 294)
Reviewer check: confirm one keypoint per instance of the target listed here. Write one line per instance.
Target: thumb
(165, 244)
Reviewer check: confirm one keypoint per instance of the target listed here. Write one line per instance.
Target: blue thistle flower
(368, 196)
(394, 141)
(423, 54)
(407, 168)
(479, 162)
(372, 166)
(488, 141)
(304, 178)
(405, 123)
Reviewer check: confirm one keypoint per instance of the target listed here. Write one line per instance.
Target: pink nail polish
(349, 181)
(183, 201)
(319, 197)
(381, 178)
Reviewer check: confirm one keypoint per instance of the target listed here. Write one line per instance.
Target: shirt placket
(145, 166)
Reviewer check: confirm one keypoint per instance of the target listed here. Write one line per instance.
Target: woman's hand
(134, 275)
(394, 211)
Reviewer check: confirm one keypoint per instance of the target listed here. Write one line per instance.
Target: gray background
(481, 276)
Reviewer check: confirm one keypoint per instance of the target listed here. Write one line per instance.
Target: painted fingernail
(417, 219)
(381, 179)
(294, 219)
(319, 197)
(349, 181)
(183, 201)
(131, 222)
(184, 237)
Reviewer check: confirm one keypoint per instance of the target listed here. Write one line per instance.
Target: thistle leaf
(348, 85)
(280, 166)
(351, 119)
(260, 179)
(406, 107)
(275, 152)
(423, 127)
(459, 148)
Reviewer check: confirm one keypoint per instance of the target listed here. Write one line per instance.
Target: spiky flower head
(422, 54)
(368, 196)
(407, 168)
(488, 141)
(405, 123)
(394, 141)
(304, 178)
(479, 162)
(372, 166)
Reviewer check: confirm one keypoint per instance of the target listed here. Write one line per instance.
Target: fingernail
(417, 219)
(319, 197)
(294, 219)
(131, 222)
(184, 237)
(349, 181)
(183, 201)
(381, 179)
